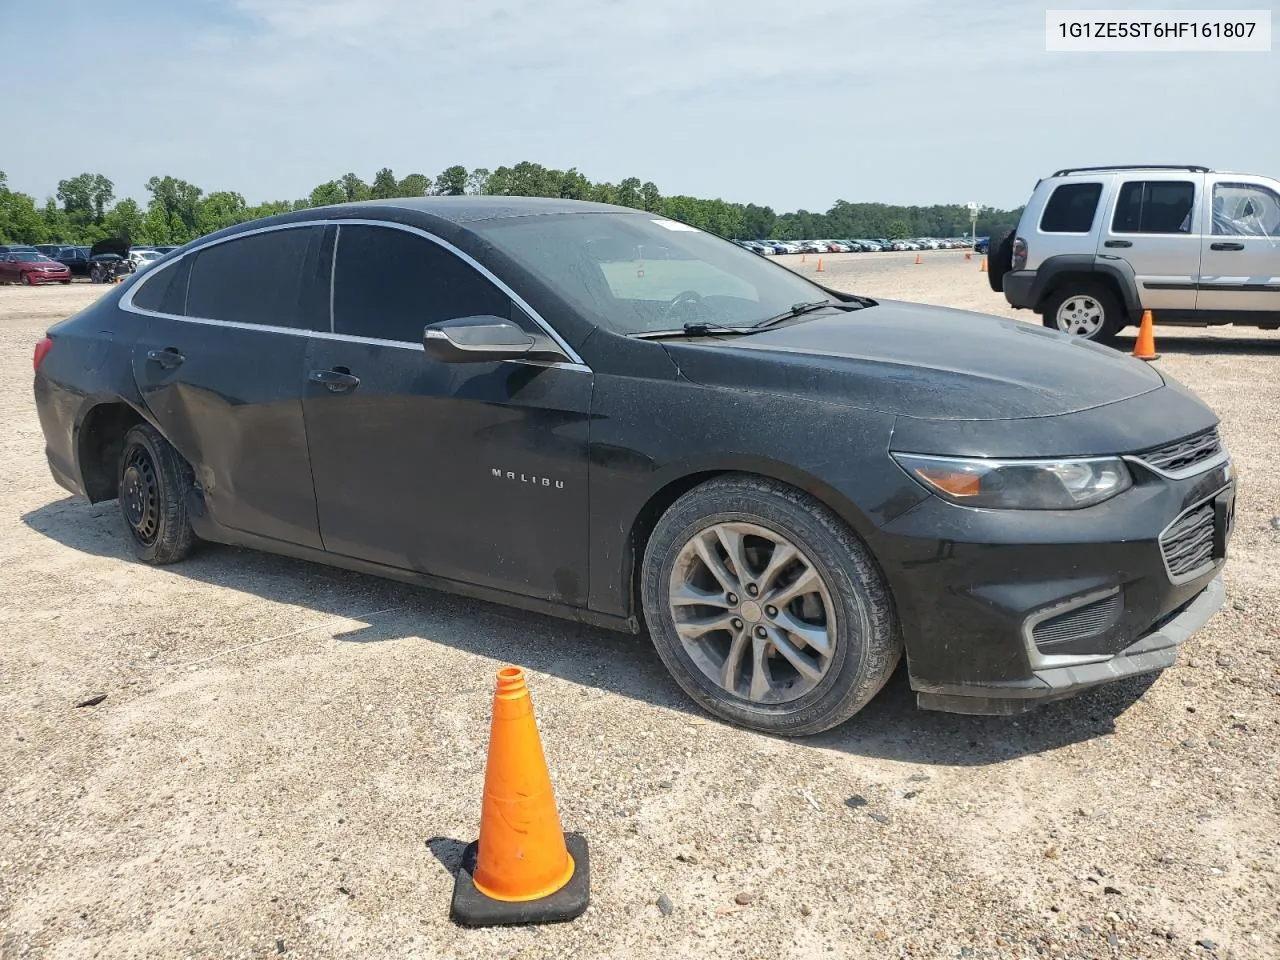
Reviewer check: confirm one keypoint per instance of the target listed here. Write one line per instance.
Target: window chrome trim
(1204, 466)
(575, 362)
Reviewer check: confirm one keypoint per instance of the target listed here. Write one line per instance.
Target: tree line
(86, 209)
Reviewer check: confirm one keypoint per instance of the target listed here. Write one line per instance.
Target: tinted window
(1070, 208)
(1155, 206)
(165, 291)
(390, 284)
(259, 279)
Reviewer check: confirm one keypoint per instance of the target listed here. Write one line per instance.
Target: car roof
(473, 208)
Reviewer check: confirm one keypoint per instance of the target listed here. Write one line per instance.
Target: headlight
(1020, 484)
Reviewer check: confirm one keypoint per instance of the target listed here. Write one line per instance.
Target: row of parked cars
(60, 263)
(770, 248)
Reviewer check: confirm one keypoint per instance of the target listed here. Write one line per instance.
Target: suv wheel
(1084, 309)
(768, 611)
(1000, 261)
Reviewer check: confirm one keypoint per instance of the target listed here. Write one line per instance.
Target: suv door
(1152, 224)
(1240, 262)
(219, 365)
(474, 472)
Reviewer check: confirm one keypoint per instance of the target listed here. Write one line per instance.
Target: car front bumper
(1002, 610)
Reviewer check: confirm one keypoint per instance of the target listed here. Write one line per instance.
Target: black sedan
(603, 414)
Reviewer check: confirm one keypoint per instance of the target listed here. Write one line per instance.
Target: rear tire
(1086, 309)
(1000, 261)
(833, 613)
(154, 482)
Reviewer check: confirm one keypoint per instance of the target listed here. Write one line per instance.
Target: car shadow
(1201, 346)
(889, 728)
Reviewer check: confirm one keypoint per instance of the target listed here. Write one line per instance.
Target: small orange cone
(1145, 347)
(918, 260)
(968, 256)
(523, 869)
(983, 268)
(819, 270)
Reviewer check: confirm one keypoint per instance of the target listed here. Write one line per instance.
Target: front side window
(1154, 206)
(1245, 210)
(262, 279)
(1070, 208)
(637, 273)
(390, 284)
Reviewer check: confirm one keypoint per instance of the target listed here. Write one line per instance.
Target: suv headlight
(1067, 484)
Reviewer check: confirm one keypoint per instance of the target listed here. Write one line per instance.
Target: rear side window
(1071, 208)
(1154, 206)
(389, 284)
(165, 291)
(264, 279)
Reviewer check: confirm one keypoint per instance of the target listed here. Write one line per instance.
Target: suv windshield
(640, 273)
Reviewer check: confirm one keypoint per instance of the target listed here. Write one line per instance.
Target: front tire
(766, 609)
(24, 279)
(154, 481)
(1084, 309)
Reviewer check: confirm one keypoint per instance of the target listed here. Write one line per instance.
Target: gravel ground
(289, 758)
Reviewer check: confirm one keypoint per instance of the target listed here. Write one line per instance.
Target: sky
(790, 103)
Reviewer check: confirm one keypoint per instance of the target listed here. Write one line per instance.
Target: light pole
(973, 224)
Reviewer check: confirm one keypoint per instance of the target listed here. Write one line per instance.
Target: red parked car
(32, 268)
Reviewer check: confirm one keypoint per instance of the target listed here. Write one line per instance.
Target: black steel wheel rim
(140, 494)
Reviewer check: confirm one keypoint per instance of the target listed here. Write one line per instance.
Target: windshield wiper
(799, 309)
(692, 329)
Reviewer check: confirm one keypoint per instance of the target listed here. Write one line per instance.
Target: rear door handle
(1226, 246)
(168, 358)
(337, 381)
(1118, 243)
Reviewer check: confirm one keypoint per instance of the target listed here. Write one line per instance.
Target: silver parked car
(1096, 246)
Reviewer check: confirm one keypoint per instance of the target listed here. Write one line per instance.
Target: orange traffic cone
(983, 268)
(819, 270)
(968, 256)
(523, 869)
(1145, 347)
(918, 260)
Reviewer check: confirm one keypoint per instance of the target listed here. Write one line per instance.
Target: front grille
(1091, 620)
(1188, 544)
(1184, 453)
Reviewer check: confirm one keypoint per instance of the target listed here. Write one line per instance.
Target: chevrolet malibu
(606, 415)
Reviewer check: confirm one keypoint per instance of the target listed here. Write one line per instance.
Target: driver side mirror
(476, 340)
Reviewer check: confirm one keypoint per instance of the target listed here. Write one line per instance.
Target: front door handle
(337, 380)
(1226, 246)
(1118, 243)
(168, 358)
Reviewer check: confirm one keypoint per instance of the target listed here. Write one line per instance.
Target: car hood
(921, 361)
(117, 245)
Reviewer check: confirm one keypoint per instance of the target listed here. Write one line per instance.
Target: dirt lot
(289, 757)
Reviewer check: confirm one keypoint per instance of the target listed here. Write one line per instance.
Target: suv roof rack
(1134, 166)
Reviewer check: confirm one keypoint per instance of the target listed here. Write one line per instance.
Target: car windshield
(638, 273)
(34, 257)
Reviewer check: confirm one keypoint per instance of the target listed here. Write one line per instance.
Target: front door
(1240, 263)
(1152, 225)
(474, 472)
(219, 364)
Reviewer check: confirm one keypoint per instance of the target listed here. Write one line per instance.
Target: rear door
(220, 367)
(1240, 262)
(475, 472)
(1152, 225)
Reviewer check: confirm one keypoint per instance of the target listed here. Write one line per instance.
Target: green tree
(896, 229)
(385, 185)
(650, 196)
(221, 209)
(574, 186)
(452, 182)
(125, 219)
(629, 193)
(85, 198)
(478, 181)
(20, 221)
(415, 185)
(327, 194)
(174, 208)
(354, 188)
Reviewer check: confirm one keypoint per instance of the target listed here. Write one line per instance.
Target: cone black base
(471, 908)
(1154, 356)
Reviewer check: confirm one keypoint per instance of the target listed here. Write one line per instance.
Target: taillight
(42, 351)
(1019, 253)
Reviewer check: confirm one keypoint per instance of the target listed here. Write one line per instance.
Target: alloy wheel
(1080, 315)
(753, 612)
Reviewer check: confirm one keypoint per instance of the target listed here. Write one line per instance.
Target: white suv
(1098, 245)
